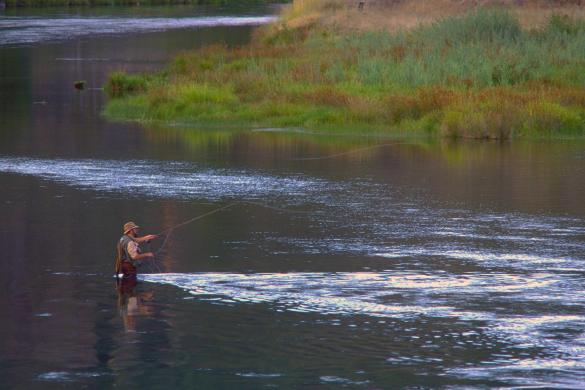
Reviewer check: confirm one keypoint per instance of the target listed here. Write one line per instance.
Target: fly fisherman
(128, 250)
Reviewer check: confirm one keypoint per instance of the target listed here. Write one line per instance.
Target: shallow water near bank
(345, 265)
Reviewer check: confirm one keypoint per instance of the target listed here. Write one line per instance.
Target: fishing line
(163, 243)
(153, 263)
(167, 232)
(197, 218)
(274, 207)
(351, 151)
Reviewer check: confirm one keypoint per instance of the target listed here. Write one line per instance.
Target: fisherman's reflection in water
(128, 257)
(133, 303)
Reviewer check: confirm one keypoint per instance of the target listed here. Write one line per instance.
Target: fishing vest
(124, 241)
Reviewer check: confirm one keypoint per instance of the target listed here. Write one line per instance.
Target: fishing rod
(197, 218)
(153, 261)
(167, 232)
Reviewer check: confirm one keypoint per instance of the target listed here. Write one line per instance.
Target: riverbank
(460, 71)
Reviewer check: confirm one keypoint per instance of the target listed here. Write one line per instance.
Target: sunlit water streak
(371, 293)
(64, 376)
(408, 295)
(162, 179)
(561, 368)
(21, 30)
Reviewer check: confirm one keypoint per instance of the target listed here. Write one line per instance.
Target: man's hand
(144, 256)
(146, 238)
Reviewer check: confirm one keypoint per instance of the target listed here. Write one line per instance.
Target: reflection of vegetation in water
(522, 159)
(280, 144)
(288, 147)
(196, 140)
(481, 75)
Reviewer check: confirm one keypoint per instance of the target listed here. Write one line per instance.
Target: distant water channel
(345, 262)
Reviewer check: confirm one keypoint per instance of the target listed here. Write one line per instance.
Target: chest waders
(122, 254)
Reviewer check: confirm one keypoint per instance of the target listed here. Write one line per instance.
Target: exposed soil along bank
(452, 69)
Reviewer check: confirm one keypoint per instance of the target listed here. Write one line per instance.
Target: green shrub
(563, 24)
(481, 26)
(548, 119)
(122, 84)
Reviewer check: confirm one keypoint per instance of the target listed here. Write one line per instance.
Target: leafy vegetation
(481, 74)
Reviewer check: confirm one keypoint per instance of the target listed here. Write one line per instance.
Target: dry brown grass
(395, 15)
(535, 16)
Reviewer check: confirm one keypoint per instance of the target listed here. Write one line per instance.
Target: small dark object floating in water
(79, 85)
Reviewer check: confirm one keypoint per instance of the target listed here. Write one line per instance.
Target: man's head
(130, 228)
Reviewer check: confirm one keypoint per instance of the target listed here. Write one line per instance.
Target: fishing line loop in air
(335, 155)
(167, 232)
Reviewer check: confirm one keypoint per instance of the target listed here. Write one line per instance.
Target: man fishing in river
(128, 250)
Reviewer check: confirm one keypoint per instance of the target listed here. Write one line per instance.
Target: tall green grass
(480, 75)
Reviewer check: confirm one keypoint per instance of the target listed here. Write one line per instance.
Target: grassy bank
(480, 72)
(71, 3)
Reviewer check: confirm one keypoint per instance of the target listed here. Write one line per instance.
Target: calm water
(348, 262)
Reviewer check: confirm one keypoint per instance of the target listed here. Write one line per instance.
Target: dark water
(380, 264)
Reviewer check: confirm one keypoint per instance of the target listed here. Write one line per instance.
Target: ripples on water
(367, 292)
(409, 295)
(162, 179)
(518, 277)
(21, 30)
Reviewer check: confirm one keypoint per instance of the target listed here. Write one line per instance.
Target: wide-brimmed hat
(129, 226)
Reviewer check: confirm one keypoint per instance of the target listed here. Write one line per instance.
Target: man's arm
(145, 255)
(135, 254)
(145, 238)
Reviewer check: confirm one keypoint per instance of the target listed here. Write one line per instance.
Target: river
(337, 262)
